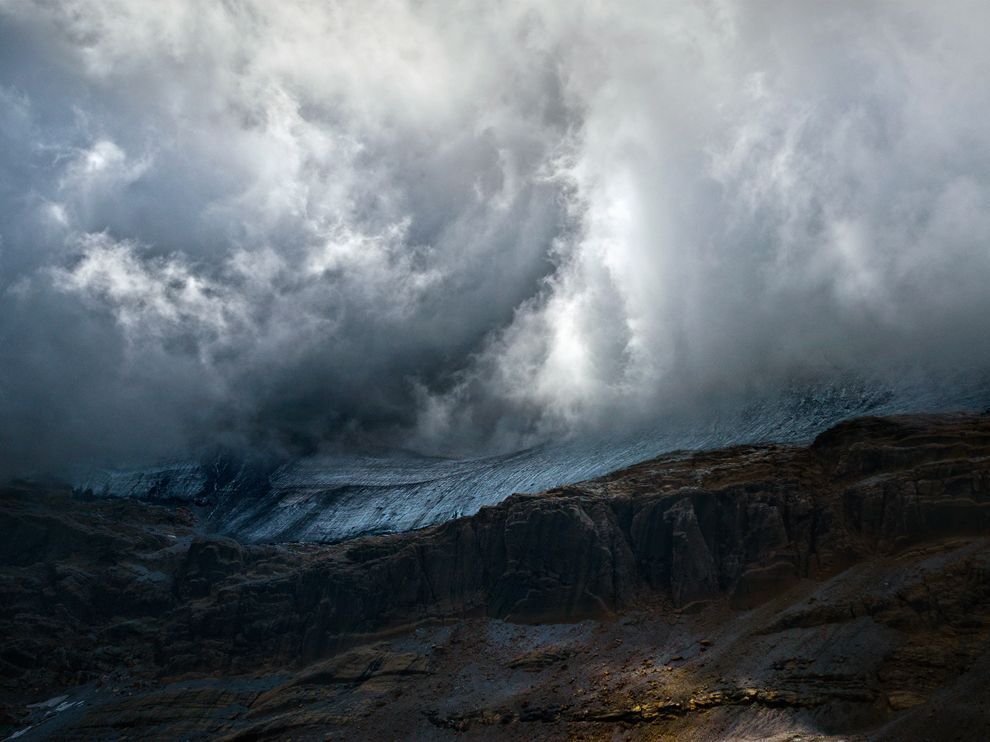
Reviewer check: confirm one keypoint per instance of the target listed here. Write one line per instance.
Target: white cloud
(152, 297)
(493, 221)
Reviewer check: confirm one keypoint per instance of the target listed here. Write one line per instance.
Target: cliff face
(845, 585)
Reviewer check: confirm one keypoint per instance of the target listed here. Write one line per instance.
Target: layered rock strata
(837, 588)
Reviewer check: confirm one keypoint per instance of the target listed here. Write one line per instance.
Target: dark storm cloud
(289, 222)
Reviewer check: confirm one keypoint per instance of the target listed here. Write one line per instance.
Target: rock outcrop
(847, 583)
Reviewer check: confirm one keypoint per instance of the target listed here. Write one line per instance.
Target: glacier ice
(331, 497)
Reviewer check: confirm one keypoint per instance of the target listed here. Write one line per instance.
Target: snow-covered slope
(338, 496)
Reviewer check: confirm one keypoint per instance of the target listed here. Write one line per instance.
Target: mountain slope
(842, 588)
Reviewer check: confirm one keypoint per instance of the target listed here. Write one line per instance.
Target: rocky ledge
(754, 592)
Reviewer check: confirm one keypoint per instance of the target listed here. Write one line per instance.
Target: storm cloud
(467, 226)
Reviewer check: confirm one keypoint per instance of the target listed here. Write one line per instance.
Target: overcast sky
(466, 225)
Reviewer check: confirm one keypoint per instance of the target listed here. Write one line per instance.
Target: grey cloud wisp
(466, 226)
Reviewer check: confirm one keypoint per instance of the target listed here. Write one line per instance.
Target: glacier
(340, 495)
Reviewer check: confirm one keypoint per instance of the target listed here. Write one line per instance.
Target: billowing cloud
(473, 226)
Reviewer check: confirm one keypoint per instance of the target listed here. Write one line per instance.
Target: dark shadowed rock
(871, 541)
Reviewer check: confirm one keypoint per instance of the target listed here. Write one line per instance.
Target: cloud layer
(470, 227)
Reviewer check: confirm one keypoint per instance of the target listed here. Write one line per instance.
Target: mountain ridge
(870, 544)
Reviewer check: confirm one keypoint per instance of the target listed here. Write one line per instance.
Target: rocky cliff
(839, 588)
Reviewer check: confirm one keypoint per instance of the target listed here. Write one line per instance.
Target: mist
(474, 228)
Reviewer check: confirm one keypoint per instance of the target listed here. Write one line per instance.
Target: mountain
(759, 591)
